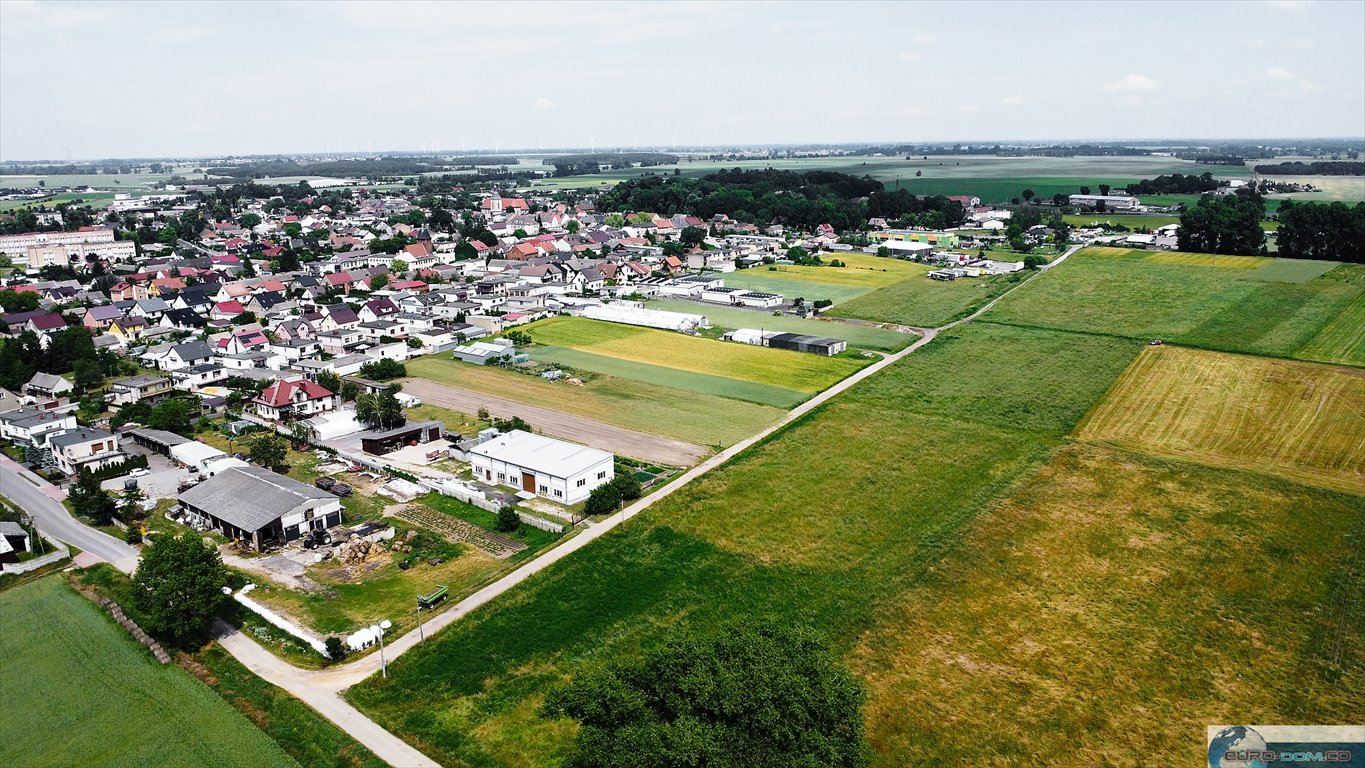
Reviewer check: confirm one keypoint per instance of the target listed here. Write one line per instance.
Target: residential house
(294, 398)
(187, 355)
(83, 448)
(137, 389)
(45, 385)
(98, 319)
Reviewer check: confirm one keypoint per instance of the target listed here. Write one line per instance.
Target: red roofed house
(226, 310)
(243, 341)
(505, 205)
(294, 398)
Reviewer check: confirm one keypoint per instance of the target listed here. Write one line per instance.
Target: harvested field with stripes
(1300, 420)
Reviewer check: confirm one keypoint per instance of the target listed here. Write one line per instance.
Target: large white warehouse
(632, 314)
(555, 469)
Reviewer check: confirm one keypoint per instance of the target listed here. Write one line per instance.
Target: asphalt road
(580, 429)
(42, 502)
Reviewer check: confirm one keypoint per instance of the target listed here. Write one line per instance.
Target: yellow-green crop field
(793, 370)
(1301, 420)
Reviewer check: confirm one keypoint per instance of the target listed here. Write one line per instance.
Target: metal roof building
(261, 506)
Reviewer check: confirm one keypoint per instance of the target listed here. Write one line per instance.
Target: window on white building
(559, 493)
(582, 482)
(601, 475)
(545, 489)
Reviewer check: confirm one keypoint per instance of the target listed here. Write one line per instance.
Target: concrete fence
(135, 630)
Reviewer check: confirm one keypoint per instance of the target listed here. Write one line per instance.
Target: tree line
(800, 199)
(1316, 168)
(1175, 184)
(1331, 231)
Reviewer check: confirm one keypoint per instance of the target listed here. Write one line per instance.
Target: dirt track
(580, 429)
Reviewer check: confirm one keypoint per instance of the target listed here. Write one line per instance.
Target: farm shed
(556, 469)
(195, 454)
(380, 443)
(759, 299)
(157, 440)
(816, 345)
(260, 506)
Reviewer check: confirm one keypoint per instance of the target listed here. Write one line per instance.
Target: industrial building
(542, 466)
(261, 507)
(631, 313)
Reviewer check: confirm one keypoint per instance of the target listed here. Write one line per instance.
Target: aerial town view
(682, 384)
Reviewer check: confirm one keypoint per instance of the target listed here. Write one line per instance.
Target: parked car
(325, 483)
(140, 472)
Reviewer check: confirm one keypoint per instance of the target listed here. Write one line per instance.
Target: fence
(58, 554)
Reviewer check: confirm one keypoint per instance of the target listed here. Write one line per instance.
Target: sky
(107, 79)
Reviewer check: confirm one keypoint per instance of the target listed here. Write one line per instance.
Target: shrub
(507, 519)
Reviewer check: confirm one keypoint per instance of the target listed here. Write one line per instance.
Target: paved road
(580, 429)
(43, 502)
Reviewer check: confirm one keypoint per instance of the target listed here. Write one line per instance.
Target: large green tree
(269, 450)
(379, 411)
(178, 587)
(750, 696)
(1225, 224)
(88, 500)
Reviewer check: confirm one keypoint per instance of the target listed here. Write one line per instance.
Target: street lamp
(421, 636)
(383, 666)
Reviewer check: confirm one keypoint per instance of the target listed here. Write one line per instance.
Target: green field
(107, 182)
(79, 691)
(1300, 420)
(658, 410)
(925, 303)
(731, 318)
(798, 371)
(1222, 303)
(93, 199)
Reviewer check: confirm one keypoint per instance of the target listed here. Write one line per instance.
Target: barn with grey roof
(261, 507)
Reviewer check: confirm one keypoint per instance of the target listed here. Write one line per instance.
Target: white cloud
(543, 104)
(968, 108)
(1278, 73)
(1289, 5)
(1310, 86)
(911, 56)
(1133, 83)
(924, 39)
(1012, 101)
(912, 111)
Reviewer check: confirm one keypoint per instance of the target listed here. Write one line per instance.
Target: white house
(76, 449)
(557, 470)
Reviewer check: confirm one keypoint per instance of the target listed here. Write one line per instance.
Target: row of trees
(1224, 224)
(1333, 231)
(71, 350)
(1175, 184)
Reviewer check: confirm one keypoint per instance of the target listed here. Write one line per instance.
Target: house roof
(282, 392)
(76, 437)
(48, 322)
(250, 498)
(48, 381)
(104, 312)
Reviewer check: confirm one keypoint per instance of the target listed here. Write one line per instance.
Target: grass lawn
(780, 531)
(730, 318)
(1301, 420)
(659, 410)
(93, 199)
(1113, 605)
(1135, 223)
(926, 303)
(798, 371)
(1219, 302)
(79, 691)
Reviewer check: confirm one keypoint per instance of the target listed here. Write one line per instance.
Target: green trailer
(433, 599)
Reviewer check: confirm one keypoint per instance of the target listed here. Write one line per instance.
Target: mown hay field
(78, 690)
(1132, 293)
(645, 407)
(1113, 605)
(1342, 340)
(1300, 420)
(798, 371)
(921, 302)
